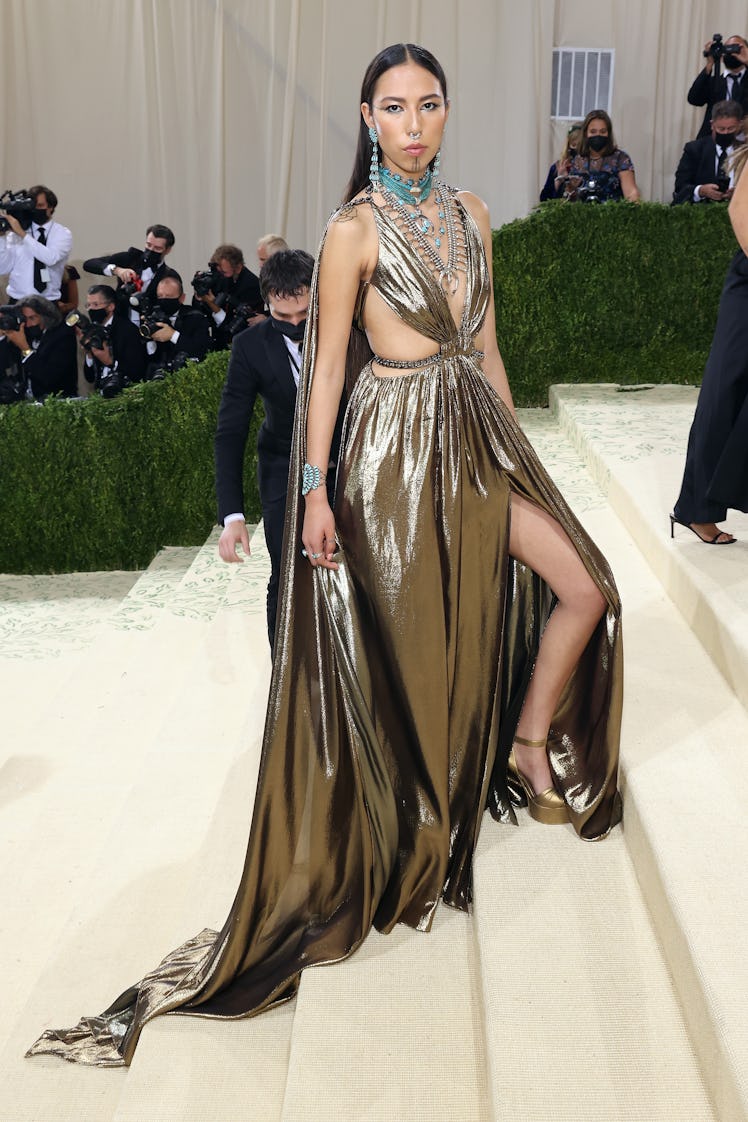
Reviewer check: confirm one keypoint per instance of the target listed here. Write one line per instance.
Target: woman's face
(597, 127)
(408, 112)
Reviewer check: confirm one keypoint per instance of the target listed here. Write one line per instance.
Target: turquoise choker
(407, 190)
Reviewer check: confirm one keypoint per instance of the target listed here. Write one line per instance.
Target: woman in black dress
(716, 471)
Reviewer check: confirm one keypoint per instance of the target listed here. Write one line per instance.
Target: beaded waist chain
(448, 350)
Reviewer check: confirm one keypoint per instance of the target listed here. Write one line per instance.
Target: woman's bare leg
(537, 540)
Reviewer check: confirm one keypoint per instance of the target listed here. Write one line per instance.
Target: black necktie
(39, 284)
(722, 163)
(735, 91)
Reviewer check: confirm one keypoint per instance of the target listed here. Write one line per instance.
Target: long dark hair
(395, 55)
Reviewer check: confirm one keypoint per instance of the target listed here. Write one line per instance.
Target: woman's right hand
(318, 532)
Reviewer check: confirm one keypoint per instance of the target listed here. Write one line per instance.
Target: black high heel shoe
(707, 541)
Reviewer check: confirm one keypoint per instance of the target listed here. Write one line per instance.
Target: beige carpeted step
(91, 905)
(394, 1032)
(685, 730)
(635, 445)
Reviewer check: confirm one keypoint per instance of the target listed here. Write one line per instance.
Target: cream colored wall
(228, 118)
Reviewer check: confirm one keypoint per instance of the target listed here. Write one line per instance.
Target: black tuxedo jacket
(697, 165)
(131, 258)
(53, 366)
(194, 337)
(128, 351)
(259, 365)
(708, 89)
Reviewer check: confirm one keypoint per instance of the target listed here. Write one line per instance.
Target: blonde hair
(575, 127)
(272, 243)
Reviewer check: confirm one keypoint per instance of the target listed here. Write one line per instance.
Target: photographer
(35, 256)
(137, 271)
(704, 173)
(224, 290)
(40, 351)
(710, 86)
(172, 328)
(600, 172)
(115, 352)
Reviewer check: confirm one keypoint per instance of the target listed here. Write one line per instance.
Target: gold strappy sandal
(547, 807)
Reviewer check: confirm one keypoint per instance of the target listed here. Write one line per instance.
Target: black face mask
(98, 315)
(170, 306)
(597, 143)
(732, 62)
(724, 139)
(151, 259)
(39, 216)
(292, 331)
(33, 333)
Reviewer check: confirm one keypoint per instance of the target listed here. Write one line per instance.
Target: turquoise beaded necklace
(414, 193)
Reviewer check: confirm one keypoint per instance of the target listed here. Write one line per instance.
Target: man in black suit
(703, 173)
(179, 329)
(708, 88)
(123, 358)
(265, 361)
(40, 352)
(235, 286)
(144, 267)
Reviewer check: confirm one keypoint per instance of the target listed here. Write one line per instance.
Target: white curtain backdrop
(227, 119)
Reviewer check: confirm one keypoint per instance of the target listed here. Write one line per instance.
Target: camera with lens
(11, 317)
(241, 315)
(590, 191)
(210, 280)
(93, 335)
(129, 293)
(112, 383)
(158, 373)
(149, 321)
(717, 49)
(18, 203)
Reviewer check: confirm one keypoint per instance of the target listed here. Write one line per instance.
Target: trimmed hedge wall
(613, 293)
(93, 484)
(619, 293)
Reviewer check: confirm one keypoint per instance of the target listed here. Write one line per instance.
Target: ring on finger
(314, 556)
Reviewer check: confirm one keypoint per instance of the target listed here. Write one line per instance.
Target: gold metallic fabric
(398, 679)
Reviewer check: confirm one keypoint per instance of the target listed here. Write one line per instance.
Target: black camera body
(112, 383)
(94, 335)
(210, 280)
(130, 295)
(11, 317)
(239, 322)
(158, 373)
(589, 191)
(718, 49)
(18, 203)
(150, 320)
(723, 183)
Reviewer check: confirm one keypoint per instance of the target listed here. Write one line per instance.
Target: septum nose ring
(414, 135)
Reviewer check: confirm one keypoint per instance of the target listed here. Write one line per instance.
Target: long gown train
(398, 679)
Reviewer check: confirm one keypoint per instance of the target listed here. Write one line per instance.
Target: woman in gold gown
(446, 620)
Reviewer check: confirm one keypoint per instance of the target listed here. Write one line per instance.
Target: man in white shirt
(35, 258)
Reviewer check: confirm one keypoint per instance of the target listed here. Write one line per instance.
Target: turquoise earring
(374, 167)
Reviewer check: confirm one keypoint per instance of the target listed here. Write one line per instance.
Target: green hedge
(583, 293)
(618, 293)
(93, 484)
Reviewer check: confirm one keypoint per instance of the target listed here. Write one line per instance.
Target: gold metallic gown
(398, 679)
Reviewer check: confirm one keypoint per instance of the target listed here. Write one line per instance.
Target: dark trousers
(273, 517)
(715, 475)
(272, 480)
